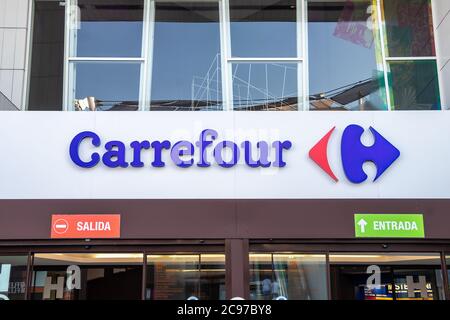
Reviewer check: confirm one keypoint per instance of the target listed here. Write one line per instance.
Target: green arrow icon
(362, 224)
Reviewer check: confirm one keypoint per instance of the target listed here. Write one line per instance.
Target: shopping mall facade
(319, 172)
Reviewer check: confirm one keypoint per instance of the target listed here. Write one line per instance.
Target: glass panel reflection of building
(345, 61)
(410, 37)
(186, 67)
(104, 276)
(265, 87)
(288, 277)
(105, 29)
(185, 276)
(13, 275)
(180, 62)
(402, 276)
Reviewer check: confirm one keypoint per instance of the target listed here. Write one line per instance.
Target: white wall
(13, 46)
(441, 17)
(35, 161)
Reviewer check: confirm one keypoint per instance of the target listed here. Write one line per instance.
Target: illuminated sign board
(389, 226)
(353, 153)
(85, 226)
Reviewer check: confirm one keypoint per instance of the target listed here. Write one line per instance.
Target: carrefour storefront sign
(224, 155)
(354, 154)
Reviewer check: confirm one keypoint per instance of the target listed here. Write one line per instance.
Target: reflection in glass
(180, 277)
(101, 86)
(265, 28)
(409, 28)
(186, 57)
(13, 275)
(414, 85)
(351, 278)
(427, 284)
(345, 61)
(290, 276)
(106, 28)
(104, 276)
(47, 57)
(264, 86)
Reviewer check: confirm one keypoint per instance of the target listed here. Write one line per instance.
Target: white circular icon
(61, 226)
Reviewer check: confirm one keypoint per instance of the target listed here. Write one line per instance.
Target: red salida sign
(85, 226)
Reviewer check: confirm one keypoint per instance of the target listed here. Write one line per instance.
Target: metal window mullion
(150, 44)
(383, 54)
(264, 60)
(225, 48)
(445, 275)
(411, 58)
(328, 271)
(28, 55)
(66, 98)
(143, 92)
(29, 275)
(438, 49)
(199, 282)
(304, 54)
(104, 59)
(144, 276)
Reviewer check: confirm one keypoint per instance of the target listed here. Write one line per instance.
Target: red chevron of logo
(319, 154)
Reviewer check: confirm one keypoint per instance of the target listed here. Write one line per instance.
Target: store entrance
(396, 276)
(79, 276)
(336, 272)
(169, 274)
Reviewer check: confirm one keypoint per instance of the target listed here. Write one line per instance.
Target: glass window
(186, 64)
(182, 277)
(288, 276)
(345, 61)
(265, 86)
(13, 277)
(103, 276)
(106, 28)
(414, 85)
(413, 82)
(47, 57)
(102, 86)
(395, 276)
(264, 28)
(409, 28)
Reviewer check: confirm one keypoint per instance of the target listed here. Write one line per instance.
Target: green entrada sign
(389, 226)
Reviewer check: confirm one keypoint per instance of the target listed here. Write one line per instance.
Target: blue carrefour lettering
(203, 144)
(114, 157)
(75, 147)
(225, 154)
(218, 154)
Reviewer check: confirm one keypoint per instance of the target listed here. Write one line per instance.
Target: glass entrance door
(394, 276)
(185, 276)
(93, 276)
(288, 276)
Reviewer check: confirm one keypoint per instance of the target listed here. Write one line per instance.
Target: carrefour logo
(354, 154)
(262, 154)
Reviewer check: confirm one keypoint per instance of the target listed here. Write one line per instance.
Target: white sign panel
(41, 158)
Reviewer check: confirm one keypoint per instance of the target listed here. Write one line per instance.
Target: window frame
(227, 60)
(299, 60)
(387, 59)
(150, 6)
(71, 60)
